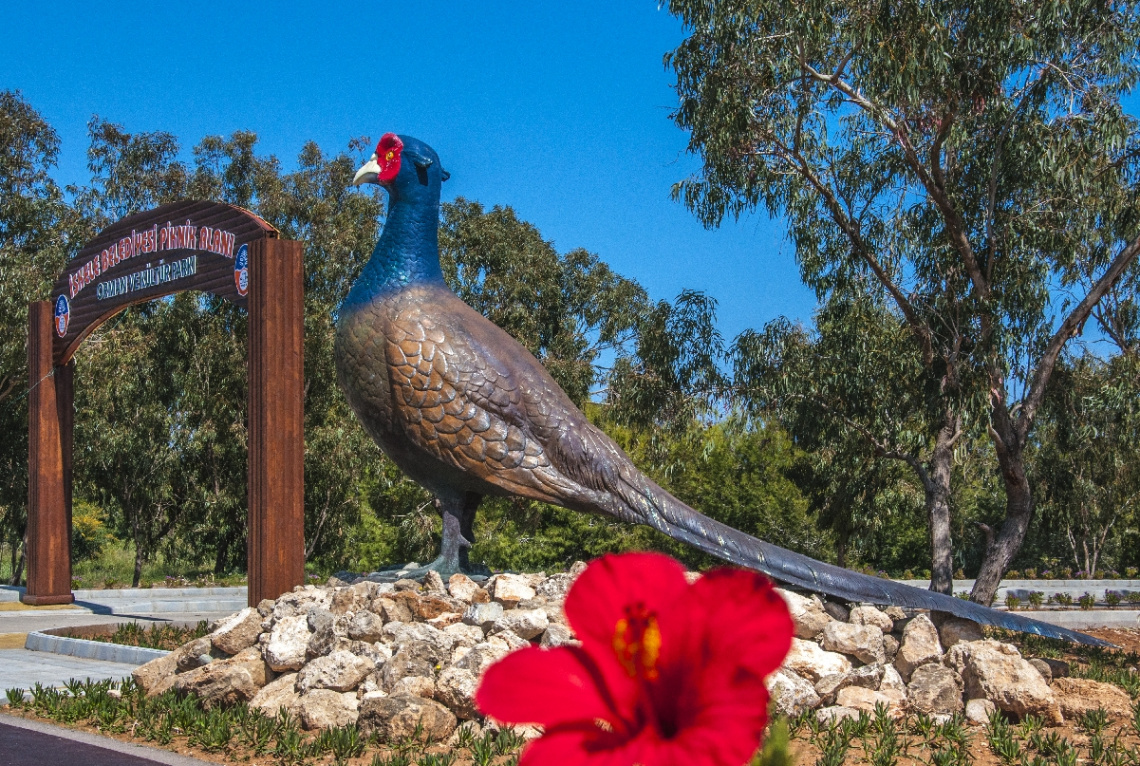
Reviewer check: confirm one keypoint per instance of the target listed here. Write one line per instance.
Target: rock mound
(394, 656)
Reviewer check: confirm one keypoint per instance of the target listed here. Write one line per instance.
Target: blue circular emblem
(241, 270)
(62, 315)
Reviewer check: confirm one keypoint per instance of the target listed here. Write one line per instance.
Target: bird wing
(475, 399)
(466, 393)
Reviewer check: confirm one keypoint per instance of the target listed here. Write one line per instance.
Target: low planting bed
(165, 636)
(363, 672)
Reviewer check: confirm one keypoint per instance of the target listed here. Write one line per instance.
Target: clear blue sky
(560, 110)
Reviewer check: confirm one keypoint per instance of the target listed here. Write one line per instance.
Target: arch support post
(50, 420)
(276, 548)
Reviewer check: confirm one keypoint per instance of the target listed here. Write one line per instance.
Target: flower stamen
(637, 642)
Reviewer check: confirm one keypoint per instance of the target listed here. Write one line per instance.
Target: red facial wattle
(388, 156)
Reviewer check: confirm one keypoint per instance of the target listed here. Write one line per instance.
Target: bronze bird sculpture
(466, 411)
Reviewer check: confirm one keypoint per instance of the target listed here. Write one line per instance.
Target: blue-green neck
(407, 253)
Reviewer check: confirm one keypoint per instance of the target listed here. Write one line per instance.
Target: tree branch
(1069, 328)
(881, 450)
(851, 229)
(955, 226)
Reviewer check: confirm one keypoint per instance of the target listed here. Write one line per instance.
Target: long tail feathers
(680, 522)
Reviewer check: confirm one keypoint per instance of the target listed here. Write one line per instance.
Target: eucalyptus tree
(968, 164)
(673, 375)
(1088, 465)
(35, 236)
(128, 435)
(855, 392)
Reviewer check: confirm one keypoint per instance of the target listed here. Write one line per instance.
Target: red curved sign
(180, 246)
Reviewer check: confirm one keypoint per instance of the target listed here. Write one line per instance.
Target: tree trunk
(221, 555)
(1011, 534)
(138, 566)
(18, 561)
(937, 487)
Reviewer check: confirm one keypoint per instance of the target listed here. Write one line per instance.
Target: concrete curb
(91, 650)
(11, 592)
(1078, 619)
(153, 754)
(1022, 588)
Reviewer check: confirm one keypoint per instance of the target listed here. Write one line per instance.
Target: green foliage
(158, 636)
(969, 168)
(1089, 461)
(36, 231)
(674, 376)
(775, 751)
(89, 533)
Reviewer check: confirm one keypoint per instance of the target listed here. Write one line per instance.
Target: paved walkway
(29, 620)
(28, 743)
(22, 668)
(31, 743)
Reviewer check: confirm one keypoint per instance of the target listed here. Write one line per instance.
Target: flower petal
(599, 599)
(726, 731)
(600, 595)
(586, 746)
(545, 687)
(731, 620)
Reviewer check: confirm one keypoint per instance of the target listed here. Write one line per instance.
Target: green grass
(114, 567)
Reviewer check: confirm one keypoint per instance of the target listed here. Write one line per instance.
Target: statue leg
(458, 533)
(467, 527)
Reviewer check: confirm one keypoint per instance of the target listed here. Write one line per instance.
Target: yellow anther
(637, 642)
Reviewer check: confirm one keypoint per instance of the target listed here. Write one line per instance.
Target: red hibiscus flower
(668, 674)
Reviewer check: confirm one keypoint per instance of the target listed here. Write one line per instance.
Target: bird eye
(388, 157)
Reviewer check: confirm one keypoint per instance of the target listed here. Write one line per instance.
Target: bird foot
(446, 566)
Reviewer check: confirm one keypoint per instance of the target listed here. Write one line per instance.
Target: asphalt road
(30, 743)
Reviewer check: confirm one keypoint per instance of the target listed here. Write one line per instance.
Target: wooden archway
(208, 246)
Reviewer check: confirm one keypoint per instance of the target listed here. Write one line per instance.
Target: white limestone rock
(340, 671)
(791, 694)
(288, 642)
(237, 632)
(978, 711)
(869, 615)
(954, 630)
(807, 659)
(808, 614)
(524, 623)
(279, 693)
(462, 587)
(365, 626)
(919, 646)
(935, 689)
(996, 671)
(863, 642)
(483, 615)
(455, 688)
(325, 709)
(510, 589)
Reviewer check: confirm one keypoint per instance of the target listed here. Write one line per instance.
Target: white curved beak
(369, 173)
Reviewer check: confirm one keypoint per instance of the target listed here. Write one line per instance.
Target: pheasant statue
(466, 411)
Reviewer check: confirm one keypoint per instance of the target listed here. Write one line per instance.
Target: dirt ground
(1127, 639)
